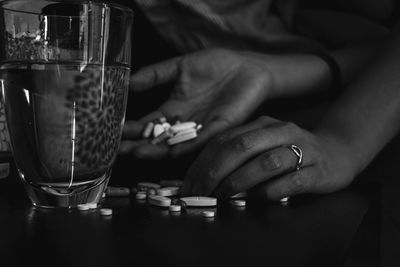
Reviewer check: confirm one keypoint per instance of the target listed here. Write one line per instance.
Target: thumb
(155, 74)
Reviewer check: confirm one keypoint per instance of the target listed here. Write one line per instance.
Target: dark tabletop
(358, 226)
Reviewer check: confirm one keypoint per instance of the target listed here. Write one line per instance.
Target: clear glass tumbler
(64, 76)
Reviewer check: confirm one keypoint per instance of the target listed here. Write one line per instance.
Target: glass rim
(127, 11)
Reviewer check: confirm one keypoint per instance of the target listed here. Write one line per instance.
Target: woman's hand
(216, 88)
(258, 155)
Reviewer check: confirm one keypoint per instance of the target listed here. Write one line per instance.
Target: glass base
(50, 197)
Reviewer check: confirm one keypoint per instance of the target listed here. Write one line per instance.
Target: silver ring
(299, 153)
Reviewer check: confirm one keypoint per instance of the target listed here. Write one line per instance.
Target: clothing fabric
(269, 26)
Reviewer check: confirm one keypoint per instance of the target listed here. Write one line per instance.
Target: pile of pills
(162, 131)
(93, 206)
(165, 194)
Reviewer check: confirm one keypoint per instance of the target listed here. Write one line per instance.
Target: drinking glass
(64, 77)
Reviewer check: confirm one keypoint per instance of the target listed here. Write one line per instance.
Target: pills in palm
(162, 131)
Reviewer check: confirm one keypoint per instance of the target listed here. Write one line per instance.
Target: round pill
(284, 200)
(208, 214)
(239, 203)
(168, 191)
(174, 208)
(82, 207)
(92, 205)
(159, 201)
(199, 201)
(141, 195)
(106, 212)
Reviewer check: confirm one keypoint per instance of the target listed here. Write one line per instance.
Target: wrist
(346, 150)
(294, 75)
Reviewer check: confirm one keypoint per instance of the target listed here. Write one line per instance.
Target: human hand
(257, 156)
(216, 88)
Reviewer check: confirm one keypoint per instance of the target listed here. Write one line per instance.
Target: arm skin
(256, 155)
(367, 115)
(229, 86)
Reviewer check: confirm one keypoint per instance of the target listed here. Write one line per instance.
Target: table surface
(347, 228)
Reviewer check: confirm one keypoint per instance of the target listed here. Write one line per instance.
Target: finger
(156, 74)
(293, 183)
(258, 170)
(132, 129)
(155, 115)
(142, 149)
(230, 154)
(204, 135)
(127, 147)
(196, 173)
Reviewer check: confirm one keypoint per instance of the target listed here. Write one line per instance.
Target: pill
(198, 127)
(166, 125)
(168, 191)
(148, 130)
(92, 205)
(103, 195)
(182, 126)
(199, 201)
(239, 203)
(177, 201)
(144, 186)
(112, 191)
(162, 119)
(159, 201)
(140, 195)
(240, 195)
(181, 139)
(187, 131)
(82, 207)
(284, 200)
(208, 214)
(151, 192)
(158, 130)
(167, 183)
(174, 208)
(106, 212)
(161, 138)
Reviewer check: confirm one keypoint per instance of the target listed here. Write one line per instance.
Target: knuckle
(221, 140)
(270, 161)
(242, 143)
(291, 126)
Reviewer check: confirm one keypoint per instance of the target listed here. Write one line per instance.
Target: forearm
(303, 74)
(367, 115)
